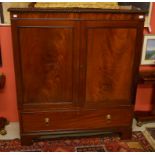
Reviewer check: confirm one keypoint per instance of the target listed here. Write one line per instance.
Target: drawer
(76, 120)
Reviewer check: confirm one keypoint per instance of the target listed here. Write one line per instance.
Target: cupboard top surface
(76, 10)
(76, 14)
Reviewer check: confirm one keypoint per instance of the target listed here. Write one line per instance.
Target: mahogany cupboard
(76, 70)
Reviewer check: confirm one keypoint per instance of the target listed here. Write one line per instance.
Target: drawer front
(75, 120)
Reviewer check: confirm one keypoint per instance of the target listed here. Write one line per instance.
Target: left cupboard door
(46, 62)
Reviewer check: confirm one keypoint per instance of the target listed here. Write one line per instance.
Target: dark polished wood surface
(112, 80)
(76, 71)
(76, 120)
(48, 66)
(147, 77)
(78, 10)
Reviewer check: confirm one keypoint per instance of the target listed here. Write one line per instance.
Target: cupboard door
(108, 54)
(48, 55)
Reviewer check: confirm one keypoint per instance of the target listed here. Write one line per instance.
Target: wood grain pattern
(77, 16)
(76, 120)
(110, 58)
(47, 79)
(47, 61)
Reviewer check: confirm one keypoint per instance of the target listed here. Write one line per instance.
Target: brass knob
(47, 121)
(108, 117)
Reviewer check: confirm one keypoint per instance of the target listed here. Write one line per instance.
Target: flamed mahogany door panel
(109, 62)
(48, 63)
